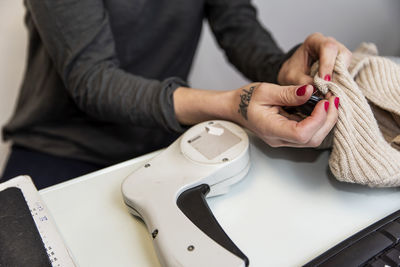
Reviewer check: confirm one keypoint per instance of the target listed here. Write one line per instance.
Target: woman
(105, 82)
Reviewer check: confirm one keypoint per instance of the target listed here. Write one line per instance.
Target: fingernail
(337, 101)
(327, 78)
(301, 90)
(326, 106)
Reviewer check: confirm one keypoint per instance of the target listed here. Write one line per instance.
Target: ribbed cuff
(166, 101)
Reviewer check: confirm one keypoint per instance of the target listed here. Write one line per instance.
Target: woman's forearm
(194, 105)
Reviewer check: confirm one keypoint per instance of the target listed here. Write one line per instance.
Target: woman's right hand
(259, 108)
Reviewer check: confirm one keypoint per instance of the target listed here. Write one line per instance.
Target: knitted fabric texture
(367, 132)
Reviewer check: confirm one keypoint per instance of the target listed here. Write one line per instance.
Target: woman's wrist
(194, 105)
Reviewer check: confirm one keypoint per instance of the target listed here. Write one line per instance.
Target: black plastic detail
(193, 204)
(305, 109)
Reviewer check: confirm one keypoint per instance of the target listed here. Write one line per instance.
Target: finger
(347, 55)
(330, 122)
(280, 143)
(313, 123)
(303, 79)
(288, 95)
(327, 56)
(297, 132)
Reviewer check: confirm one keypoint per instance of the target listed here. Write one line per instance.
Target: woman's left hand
(296, 70)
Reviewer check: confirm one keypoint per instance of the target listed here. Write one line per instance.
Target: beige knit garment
(363, 144)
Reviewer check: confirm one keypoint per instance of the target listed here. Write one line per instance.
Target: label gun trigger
(169, 194)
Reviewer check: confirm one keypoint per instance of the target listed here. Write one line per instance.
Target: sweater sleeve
(247, 44)
(78, 38)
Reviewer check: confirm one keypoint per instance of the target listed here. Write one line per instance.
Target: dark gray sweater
(101, 74)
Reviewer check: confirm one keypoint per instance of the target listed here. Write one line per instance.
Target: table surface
(288, 210)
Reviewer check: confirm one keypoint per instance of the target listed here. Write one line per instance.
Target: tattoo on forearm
(245, 98)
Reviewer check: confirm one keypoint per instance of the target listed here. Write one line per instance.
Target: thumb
(290, 95)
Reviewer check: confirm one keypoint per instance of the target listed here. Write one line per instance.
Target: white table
(287, 211)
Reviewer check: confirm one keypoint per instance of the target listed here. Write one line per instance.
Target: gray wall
(349, 21)
(290, 21)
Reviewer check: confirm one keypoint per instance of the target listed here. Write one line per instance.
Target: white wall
(290, 21)
(13, 40)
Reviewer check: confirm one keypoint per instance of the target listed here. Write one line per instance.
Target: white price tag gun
(169, 192)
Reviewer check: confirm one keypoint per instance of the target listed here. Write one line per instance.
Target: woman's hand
(296, 70)
(258, 107)
(260, 110)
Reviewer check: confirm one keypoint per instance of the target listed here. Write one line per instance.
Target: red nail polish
(327, 78)
(337, 101)
(326, 106)
(301, 90)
